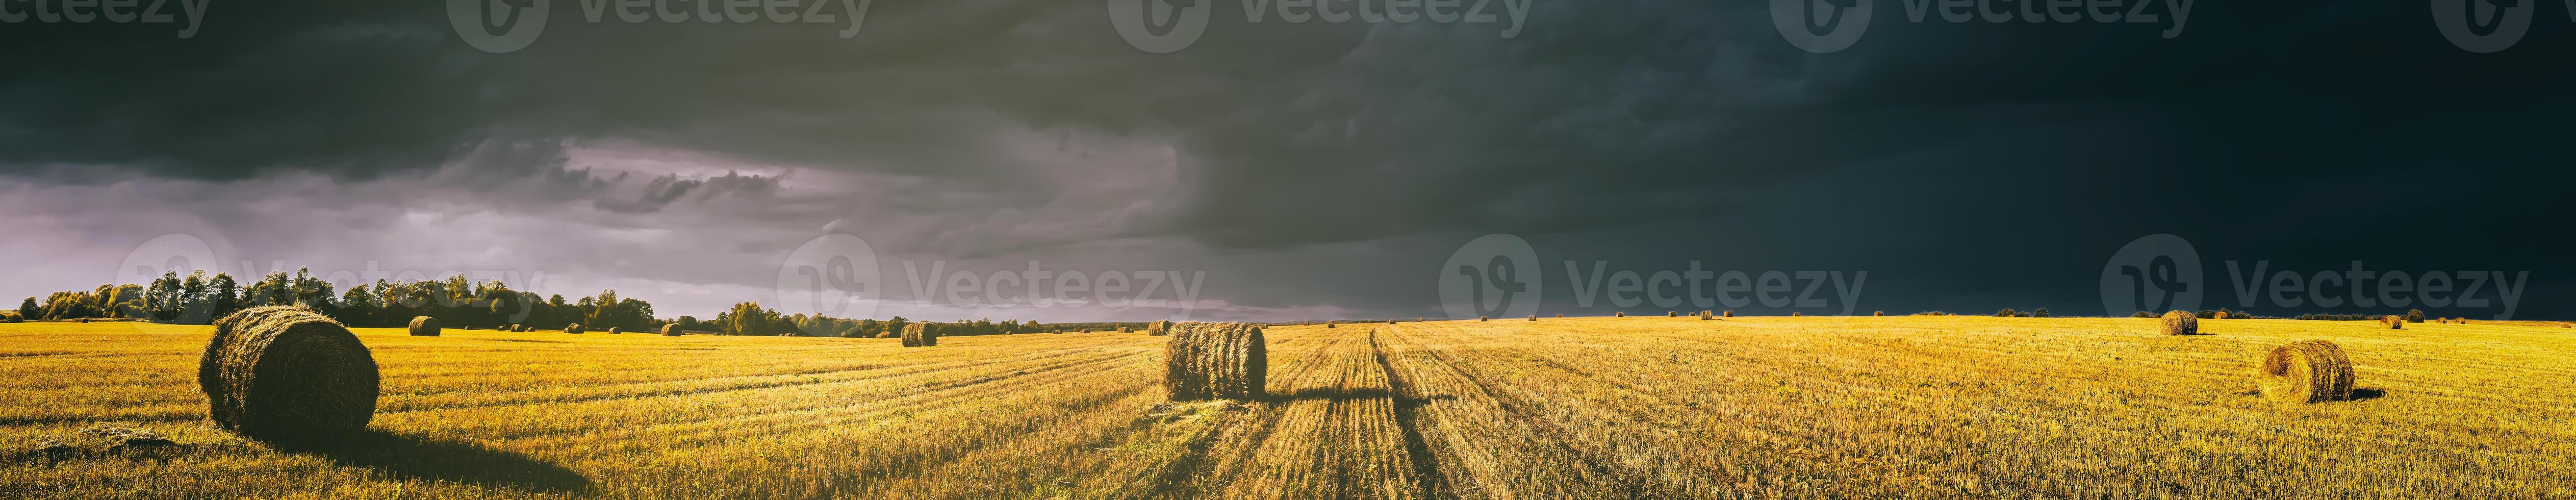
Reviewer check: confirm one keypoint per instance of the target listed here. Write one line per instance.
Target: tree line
(199, 298)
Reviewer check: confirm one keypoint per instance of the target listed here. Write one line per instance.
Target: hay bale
(573, 328)
(285, 374)
(612, 330)
(2309, 371)
(2181, 323)
(1619, 314)
(1215, 360)
(1794, 314)
(1878, 313)
(2393, 322)
(1707, 315)
(1533, 317)
(2218, 315)
(1154, 329)
(1730, 314)
(1484, 318)
(1560, 315)
(514, 327)
(672, 330)
(424, 326)
(923, 334)
(1672, 314)
(1124, 329)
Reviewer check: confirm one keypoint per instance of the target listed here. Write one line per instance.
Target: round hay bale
(573, 328)
(2393, 322)
(2218, 315)
(612, 330)
(1215, 360)
(1707, 315)
(1878, 313)
(922, 334)
(514, 327)
(1794, 314)
(2309, 371)
(285, 374)
(1672, 314)
(1619, 314)
(1533, 317)
(1560, 315)
(424, 326)
(1328, 324)
(673, 330)
(1484, 318)
(1154, 329)
(2181, 323)
(1730, 314)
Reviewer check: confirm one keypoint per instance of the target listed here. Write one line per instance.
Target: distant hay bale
(1620, 314)
(924, 334)
(612, 330)
(1215, 360)
(1672, 314)
(285, 374)
(573, 328)
(2309, 371)
(1707, 315)
(2181, 323)
(1730, 314)
(424, 326)
(2393, 322)
(1484, 318)
(1878, 313)
(1154, 329)
(514, 327)
(1328, 324)
(1794, 314)
(673, 330)
(2218, 315)
(1533, 317)
(1560, 315)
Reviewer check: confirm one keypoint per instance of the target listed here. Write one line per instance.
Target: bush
(2007, 313)
(2142, 314)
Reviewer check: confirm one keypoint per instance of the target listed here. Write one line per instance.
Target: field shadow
(410, 457)
(1340, 394)
(2362, 393)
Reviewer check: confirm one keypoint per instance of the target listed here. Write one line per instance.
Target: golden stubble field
(1644, 407)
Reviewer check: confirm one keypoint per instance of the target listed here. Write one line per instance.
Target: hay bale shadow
(2365, 393)
(411, 457)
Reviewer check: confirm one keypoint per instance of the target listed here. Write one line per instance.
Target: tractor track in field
(1429, 480)
(1266, 420)
(1634, 484)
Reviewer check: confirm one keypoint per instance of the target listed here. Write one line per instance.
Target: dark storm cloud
(1323, 166)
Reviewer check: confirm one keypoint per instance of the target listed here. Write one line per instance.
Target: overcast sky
(1291, 170)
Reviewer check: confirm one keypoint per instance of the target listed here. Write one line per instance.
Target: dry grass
(1759, 407)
